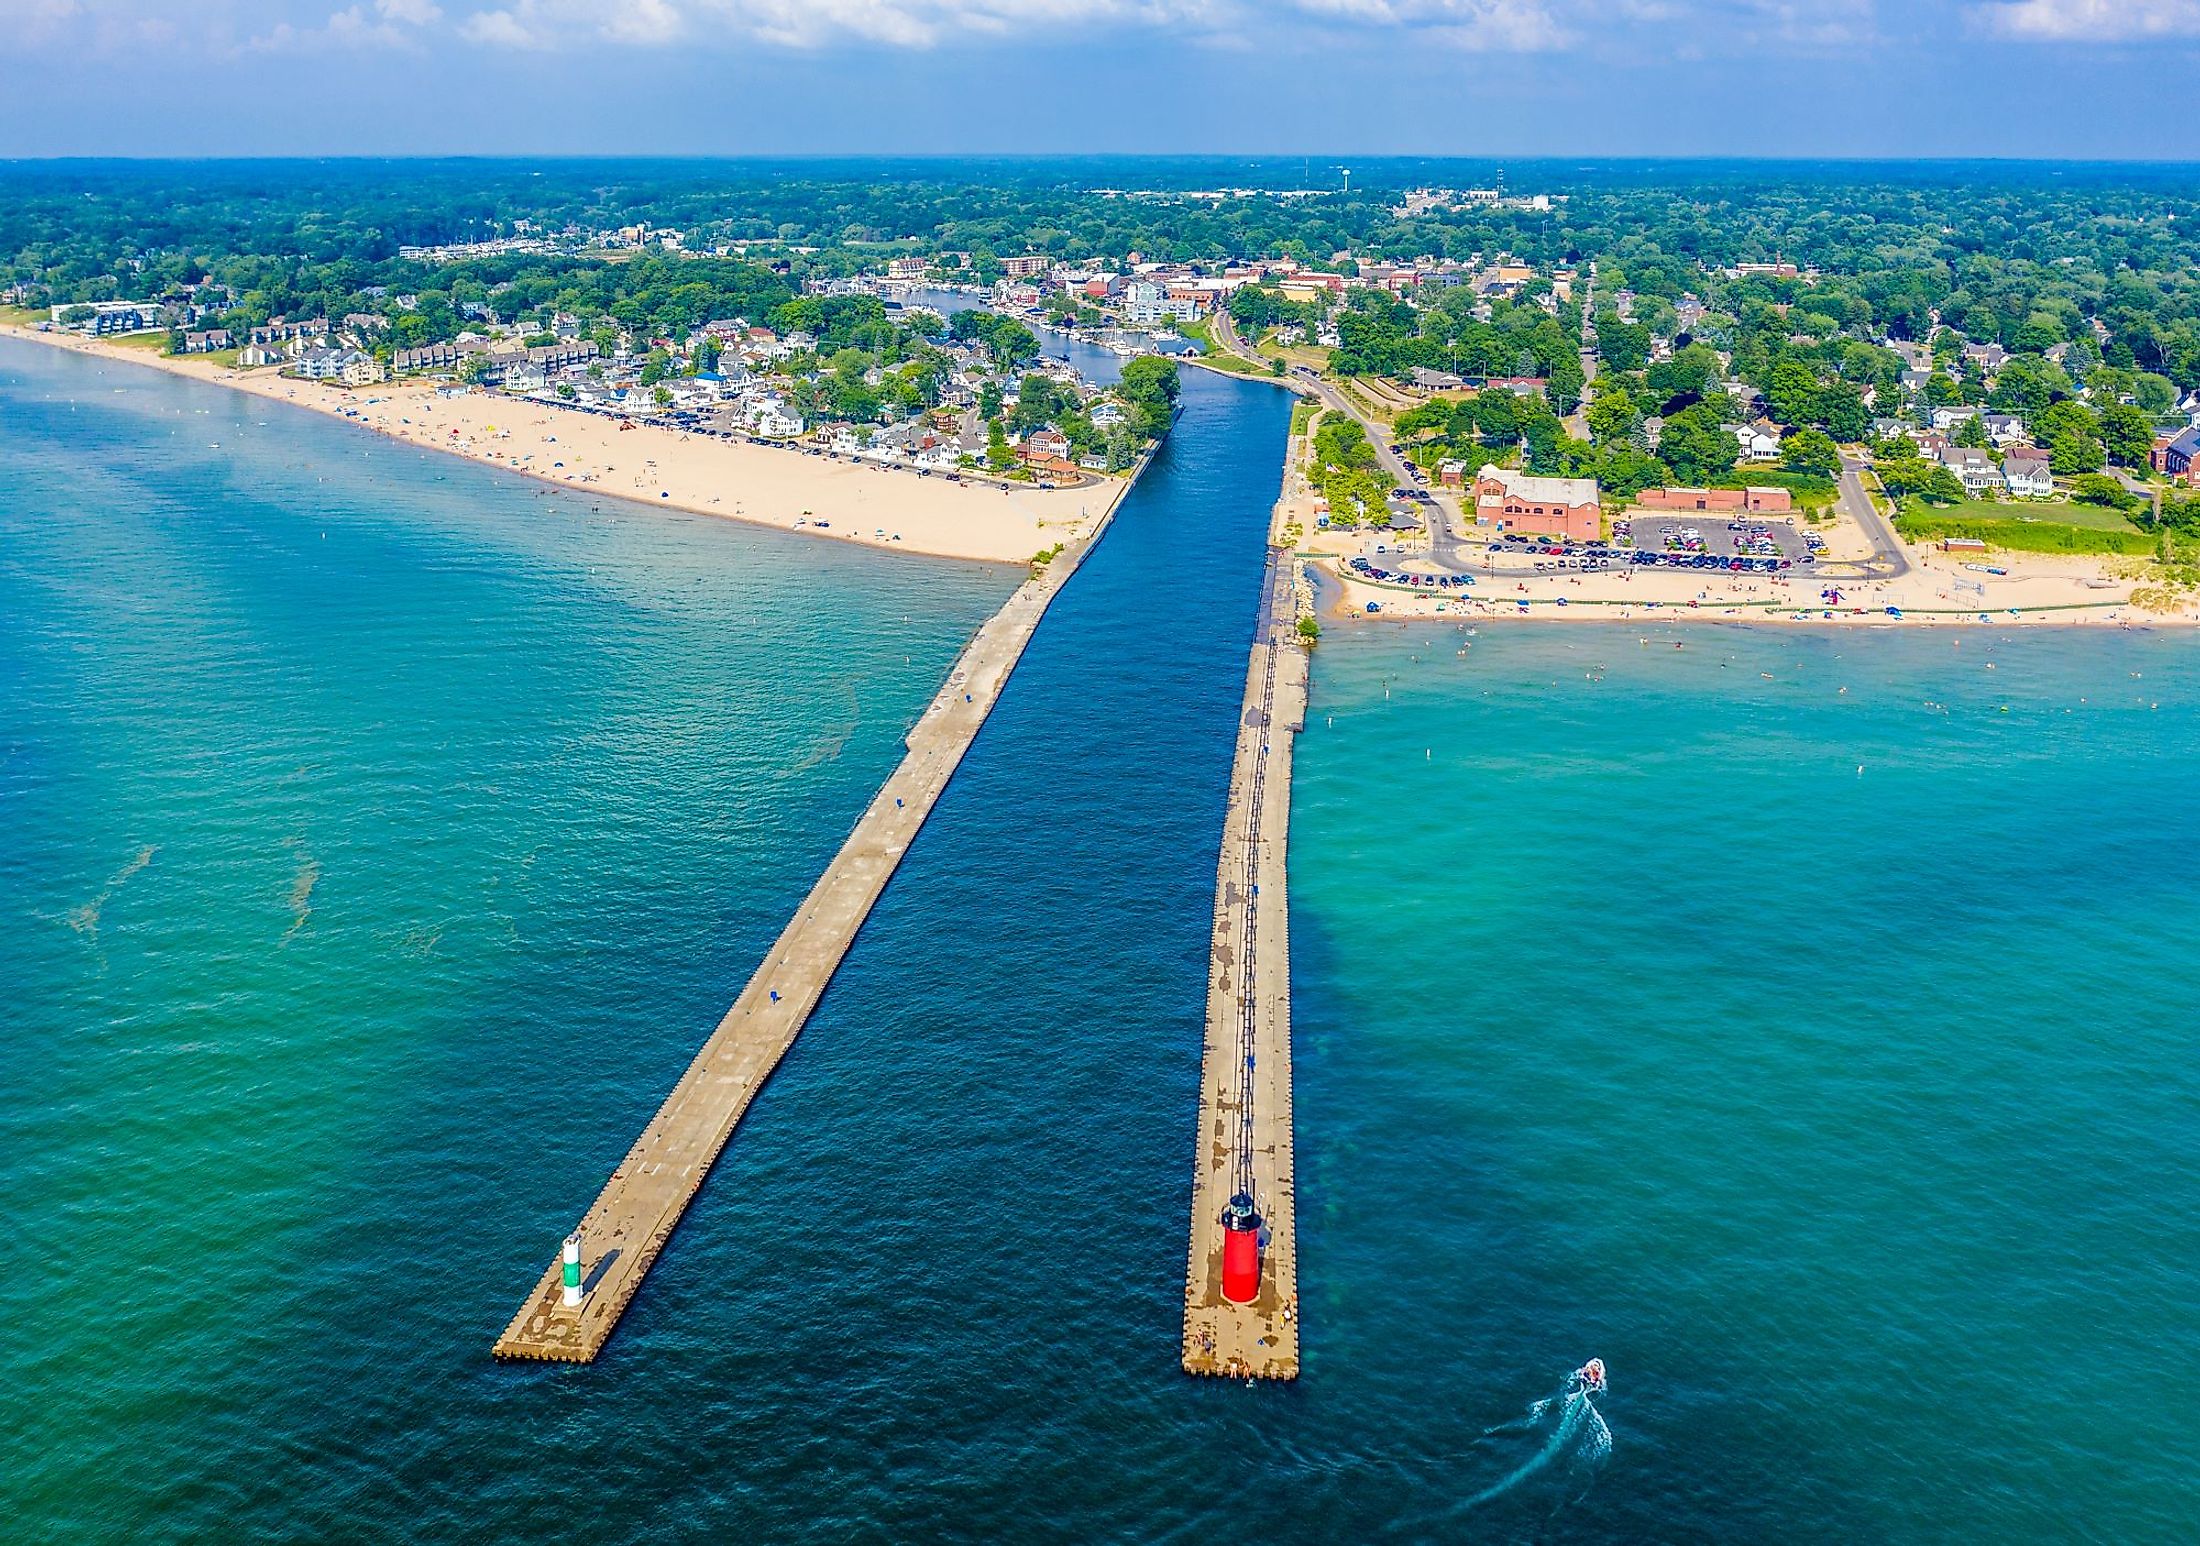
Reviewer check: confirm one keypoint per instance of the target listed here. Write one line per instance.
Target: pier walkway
(1245, 1076)
(622, 1234)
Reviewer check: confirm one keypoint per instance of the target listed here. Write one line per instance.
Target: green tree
(1941, 487)
(1611, 415)
(1497, 415)
(1148, 387)
(1545, 439)
(1623, 471)
(2157, 394)
(1840, 412)
(1791, 393)
(1254, 308)
(1563, 383)
(2098, 488)
(1697, 446)
(2074, 453)
(1622, 345)
(2127, 435)
(1810, 451)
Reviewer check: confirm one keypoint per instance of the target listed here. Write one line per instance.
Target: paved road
(1443, 520)
(1889, 560)
(1577, 422)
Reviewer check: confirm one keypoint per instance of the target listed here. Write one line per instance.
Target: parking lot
(1721, 536)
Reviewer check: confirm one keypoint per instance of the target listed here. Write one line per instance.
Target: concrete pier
(622, 1234)
(1249, 1017)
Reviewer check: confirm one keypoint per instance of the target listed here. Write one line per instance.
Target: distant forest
(2021, 254)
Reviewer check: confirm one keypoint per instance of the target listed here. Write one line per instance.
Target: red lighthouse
(1240, 1250)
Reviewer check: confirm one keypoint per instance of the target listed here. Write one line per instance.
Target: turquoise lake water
(382, 834)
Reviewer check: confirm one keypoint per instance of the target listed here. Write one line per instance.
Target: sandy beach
(840, 499)
(2041, 592)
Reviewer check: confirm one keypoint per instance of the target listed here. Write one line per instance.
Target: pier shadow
(588, 1285)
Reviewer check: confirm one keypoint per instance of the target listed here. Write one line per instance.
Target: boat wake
(1575, 1437)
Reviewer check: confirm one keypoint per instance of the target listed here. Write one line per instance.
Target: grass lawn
(1302, 414)
(2030, 513)
(2028, 528)
(1299, 354)
(1201, 334)
(1375, 411)
(22, 316)
(1236, 364)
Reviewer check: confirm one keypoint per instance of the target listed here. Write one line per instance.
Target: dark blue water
(382, 835)
(387, 834)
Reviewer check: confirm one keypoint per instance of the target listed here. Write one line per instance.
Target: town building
(1719, 501)
(1557, 507)
(2179, 455)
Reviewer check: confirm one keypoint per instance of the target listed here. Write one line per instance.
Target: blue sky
(2106, 79)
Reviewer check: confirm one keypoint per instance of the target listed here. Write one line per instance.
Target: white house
(1759, 442)
(770, 419)
(1975, 469)
(2028, 477)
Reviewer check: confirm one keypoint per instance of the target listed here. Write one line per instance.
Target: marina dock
(1244, 1136)
(569, 1317)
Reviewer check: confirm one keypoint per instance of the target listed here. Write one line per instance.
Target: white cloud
(1477, 24)
(2090, 21)
(499, 29)
(390, 24)
(1807, 23)
(1474, 25)
(1642, 29)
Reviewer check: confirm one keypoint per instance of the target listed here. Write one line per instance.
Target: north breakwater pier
(581, 1296)
(1241, 1278)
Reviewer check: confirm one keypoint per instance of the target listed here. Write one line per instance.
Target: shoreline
(1348, 597)
(836, 499)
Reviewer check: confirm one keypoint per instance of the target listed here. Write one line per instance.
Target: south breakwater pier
(1241, 1280)
(577, 1303)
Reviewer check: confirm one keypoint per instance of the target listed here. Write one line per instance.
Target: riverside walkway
(622, 1234)
(1245, 1076)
